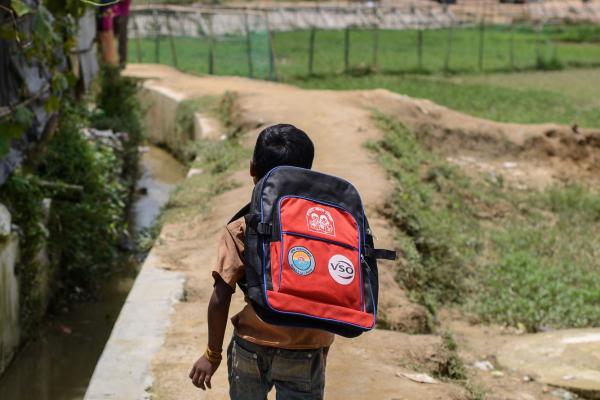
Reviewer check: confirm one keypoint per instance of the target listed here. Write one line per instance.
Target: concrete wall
(10, 332)
(9, 299)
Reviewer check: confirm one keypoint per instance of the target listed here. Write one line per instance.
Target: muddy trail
(374, 365)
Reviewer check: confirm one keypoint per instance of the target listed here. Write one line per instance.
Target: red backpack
(309, 253)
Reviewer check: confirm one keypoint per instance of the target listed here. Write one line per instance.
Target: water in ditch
(59, 365)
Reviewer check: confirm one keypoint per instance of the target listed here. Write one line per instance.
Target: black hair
(282, 144)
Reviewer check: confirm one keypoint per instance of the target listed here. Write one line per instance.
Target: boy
(261, 355)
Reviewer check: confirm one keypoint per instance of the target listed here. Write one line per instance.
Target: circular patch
(301, 260)
(341, 269)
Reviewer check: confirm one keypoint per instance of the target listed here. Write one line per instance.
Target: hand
(202, 372)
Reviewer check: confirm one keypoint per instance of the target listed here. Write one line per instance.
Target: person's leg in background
(106, 36)
(121, 34)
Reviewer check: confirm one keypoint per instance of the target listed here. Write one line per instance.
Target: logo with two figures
(320, 220)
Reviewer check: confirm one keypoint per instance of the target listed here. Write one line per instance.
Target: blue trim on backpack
(360, 252)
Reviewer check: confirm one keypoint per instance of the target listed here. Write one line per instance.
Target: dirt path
(367, 367)
(339, 123)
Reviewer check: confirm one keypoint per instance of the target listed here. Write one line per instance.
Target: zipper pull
(364, 262)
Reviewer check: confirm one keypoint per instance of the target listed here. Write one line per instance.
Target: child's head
(281, 144)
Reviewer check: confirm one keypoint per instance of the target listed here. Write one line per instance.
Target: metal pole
(172, 43)
(311, 50)
(449, 47)
(248, 46)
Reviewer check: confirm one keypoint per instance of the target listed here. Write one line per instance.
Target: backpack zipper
(335, 242)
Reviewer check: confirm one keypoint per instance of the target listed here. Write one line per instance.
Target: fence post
(211, 46)
(138, 46)
(539, 60)
(481, 43)
(172, 42)
(311, 49)
(420, 49)
(272, 61)
(248, 45)
(511, 49)
(156, 37)
(449, 47)
(375, 62)
(347, 49)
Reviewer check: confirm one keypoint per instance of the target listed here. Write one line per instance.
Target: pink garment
(110, 12)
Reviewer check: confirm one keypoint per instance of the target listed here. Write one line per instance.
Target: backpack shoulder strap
(245, 210)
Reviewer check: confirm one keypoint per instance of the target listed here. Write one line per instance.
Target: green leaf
(52, 104)
(20, 8)
(11, 130)
(23, 116)
(8, 33)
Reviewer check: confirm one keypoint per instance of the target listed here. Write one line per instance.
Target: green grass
(521, 97)
(534, 263)
(504, 49)
(499, 103)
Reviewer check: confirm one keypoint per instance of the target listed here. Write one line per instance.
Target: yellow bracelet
(213, 356)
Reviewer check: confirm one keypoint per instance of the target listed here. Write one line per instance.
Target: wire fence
(415, 36)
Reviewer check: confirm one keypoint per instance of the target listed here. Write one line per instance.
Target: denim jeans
(255, 369)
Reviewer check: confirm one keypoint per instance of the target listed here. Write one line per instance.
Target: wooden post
(511, 49)
(138, 45)
(311, 50)
(156, 37)
(448, 48)
(420, 49)
(211, 46)
(172, 43)
(375, 62)
(539, 60)
(248, 46)
(272, 59)
(347, 49)
(481, 43)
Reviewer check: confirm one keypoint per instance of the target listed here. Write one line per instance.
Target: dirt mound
(565, 153)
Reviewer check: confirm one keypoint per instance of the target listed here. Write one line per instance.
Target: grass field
(505, 48)
(535, 263)
(524, 96)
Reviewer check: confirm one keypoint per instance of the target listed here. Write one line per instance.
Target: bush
(84, 233)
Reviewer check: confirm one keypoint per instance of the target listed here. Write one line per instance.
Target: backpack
(309, 253)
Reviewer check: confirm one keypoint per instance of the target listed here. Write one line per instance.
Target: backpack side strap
(245, 210)
(380, 254)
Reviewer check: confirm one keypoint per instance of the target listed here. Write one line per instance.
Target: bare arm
(218, 310)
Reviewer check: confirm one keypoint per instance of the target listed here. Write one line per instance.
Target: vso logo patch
(301, 260)
(341, 269)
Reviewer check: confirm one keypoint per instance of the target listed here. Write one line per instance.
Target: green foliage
(216, 160)
(84, 233)
(430, 209)
(545, 272)
(534, 264)
(118, 108)
(454, 368)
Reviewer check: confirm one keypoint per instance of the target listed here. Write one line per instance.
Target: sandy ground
(339, 123)
(367, 367)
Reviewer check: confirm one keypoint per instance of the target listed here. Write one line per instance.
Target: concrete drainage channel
(123, 371)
